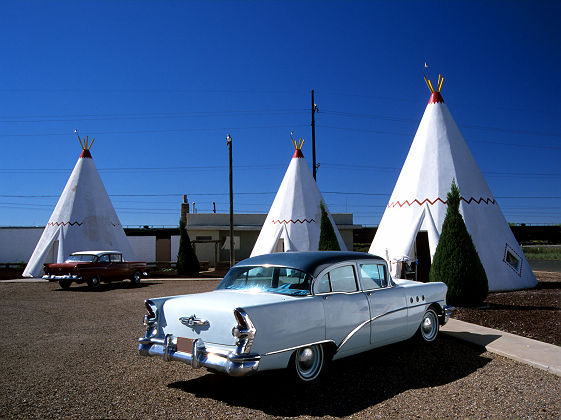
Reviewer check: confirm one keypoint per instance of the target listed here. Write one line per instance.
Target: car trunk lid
(210, 316)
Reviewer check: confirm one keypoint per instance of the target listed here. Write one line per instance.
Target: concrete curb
(535, 353)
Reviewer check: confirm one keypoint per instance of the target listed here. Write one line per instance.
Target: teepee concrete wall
(83, 220)
(295, 214)
(438, 155)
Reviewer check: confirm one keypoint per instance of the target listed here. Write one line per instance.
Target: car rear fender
(284, 326)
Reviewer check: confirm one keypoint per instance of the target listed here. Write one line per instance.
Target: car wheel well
(428, 330)
(94, 282)
(136, 277)
(439, 312)
(319, 358)
(330, 349)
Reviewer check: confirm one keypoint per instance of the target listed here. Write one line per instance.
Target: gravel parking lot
(72, 353)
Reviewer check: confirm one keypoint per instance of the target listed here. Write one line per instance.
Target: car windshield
(287, 281)
(81, 257)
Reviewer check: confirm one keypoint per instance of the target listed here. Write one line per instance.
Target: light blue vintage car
(293, 310)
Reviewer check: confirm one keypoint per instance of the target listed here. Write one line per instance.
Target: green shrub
(327, 238)
(456, 261)
(187, 261)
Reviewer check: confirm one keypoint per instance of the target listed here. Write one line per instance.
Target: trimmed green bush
(456, 261)
(187, 261)
(327, 238)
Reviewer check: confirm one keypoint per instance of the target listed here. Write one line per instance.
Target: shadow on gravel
(351, 385)
(103, 287)
(548, 285)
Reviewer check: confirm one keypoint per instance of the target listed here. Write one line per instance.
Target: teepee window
(513, 260)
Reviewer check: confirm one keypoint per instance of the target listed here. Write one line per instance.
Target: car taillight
(242, 324)
(149, 309)
(150, 317)
(244, 331)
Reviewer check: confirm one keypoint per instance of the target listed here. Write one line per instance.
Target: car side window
(115, 258)
(323, 284)
(373, 276)
(104, 258)
(341, 279)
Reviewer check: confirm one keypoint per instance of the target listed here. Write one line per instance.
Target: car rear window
(284, 280)
(81, 258)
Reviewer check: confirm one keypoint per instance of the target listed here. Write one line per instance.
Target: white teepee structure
(293, 222)
(438, 155)
(83, 220)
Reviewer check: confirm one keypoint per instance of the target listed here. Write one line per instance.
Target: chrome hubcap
(305, 358)
(429, 327)
(309, 362)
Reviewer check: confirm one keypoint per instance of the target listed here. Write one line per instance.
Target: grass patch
(542, 253)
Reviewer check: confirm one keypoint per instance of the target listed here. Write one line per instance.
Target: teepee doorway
(423, 261)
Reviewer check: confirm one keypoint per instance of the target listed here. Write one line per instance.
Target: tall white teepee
(293, 222)
(83, 220)
(437, 155)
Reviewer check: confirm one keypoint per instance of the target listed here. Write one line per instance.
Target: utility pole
(229, 143)
(314, 109)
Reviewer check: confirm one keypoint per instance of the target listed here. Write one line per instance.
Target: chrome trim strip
(353, 332)
(232, 364)
(354, 292)
(298, 347)
(54, 277)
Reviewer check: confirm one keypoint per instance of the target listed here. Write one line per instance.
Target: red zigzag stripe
(76, 223)
(426, 200)
(65, 223)
(293, 221)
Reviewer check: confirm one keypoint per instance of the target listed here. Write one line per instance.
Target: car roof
(308, 262)
(96, 253)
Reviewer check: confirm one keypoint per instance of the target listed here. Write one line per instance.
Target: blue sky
(160, 84)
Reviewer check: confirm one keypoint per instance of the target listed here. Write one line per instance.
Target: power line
(132, 169)
(101, 117)
(532, 146)
(173, 130)
(410, 120)
(266, 166)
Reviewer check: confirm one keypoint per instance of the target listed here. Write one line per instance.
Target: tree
(187, 261)
(327, 238)
(456, 261)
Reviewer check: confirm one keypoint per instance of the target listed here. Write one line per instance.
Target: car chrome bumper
(219, 360)
(52, 277)
(448, 311)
